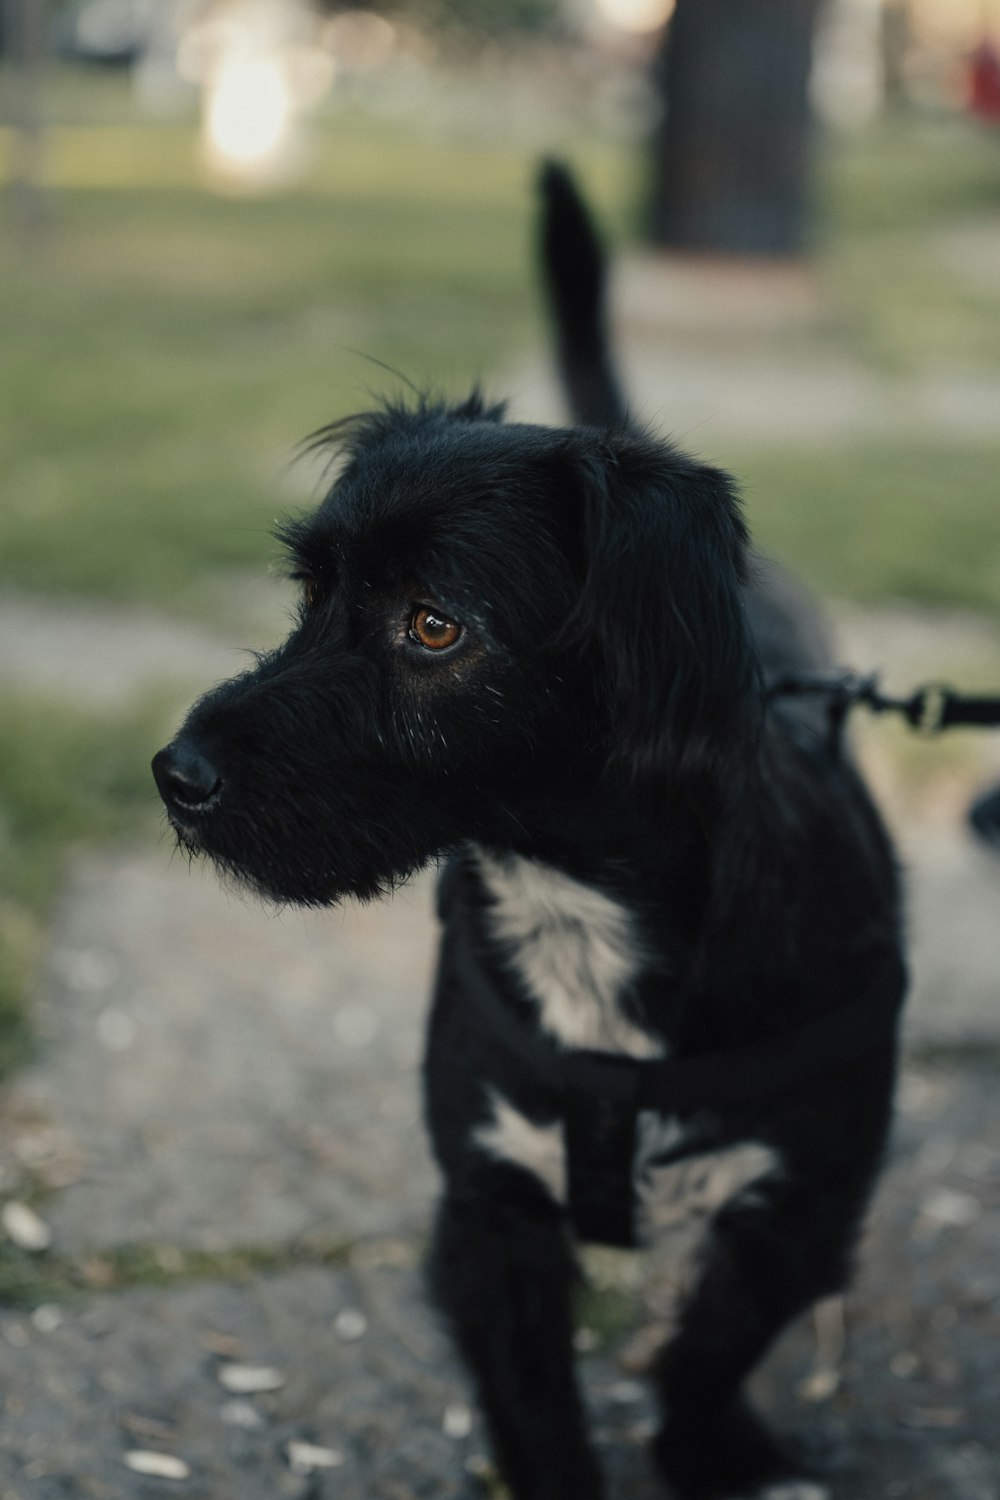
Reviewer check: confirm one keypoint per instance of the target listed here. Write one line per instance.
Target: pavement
(218, 1145)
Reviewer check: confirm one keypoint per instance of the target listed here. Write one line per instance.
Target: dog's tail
(573, 273)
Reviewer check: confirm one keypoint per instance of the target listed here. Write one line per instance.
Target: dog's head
(494, 619)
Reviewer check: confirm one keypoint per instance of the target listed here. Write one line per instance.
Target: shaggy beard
(260, 877)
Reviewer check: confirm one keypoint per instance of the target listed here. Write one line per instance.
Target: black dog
(670, 972)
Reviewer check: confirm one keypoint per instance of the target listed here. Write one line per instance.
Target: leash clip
(928, 707)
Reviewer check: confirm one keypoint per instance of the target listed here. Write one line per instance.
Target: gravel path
(173, 1104)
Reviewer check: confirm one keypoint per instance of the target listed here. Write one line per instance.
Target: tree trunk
(731, 157)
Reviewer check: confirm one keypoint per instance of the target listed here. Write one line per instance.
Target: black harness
(601, 1094)
(600, 1141)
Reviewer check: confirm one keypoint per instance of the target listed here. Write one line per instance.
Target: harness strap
(602, 1094)
(780, 1063)
(601, 1119)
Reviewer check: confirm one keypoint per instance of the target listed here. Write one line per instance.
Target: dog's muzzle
(187, 780)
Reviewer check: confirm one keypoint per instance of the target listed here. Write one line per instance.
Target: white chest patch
(576, 952)
(574, 949)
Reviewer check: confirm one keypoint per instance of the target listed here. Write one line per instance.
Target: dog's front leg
(503, 1272)
(762, 1266)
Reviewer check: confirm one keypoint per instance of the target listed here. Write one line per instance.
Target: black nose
(187, 779)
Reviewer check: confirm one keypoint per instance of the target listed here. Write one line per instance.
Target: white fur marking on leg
(677, 1200)
(694, 1186)
(575, 950)
(540, 1149)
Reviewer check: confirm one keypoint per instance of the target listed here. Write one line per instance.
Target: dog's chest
(575, 950)
(577, 953)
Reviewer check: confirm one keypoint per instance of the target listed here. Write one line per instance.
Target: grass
(891, 197)
(170, 347)
(874, 520)
(165, 353)
(29, 1279)
(907, 175)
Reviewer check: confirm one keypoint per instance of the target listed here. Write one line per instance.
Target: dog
(671, 968)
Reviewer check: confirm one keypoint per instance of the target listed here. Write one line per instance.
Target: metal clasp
(930, 705)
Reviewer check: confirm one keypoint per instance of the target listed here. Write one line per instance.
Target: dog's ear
(665, 557)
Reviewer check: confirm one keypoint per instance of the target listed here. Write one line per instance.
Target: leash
(929, 709)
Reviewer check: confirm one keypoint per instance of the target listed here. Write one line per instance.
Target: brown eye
(308, 590)
(433, 631)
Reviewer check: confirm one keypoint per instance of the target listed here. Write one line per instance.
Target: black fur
(574, 283)
(599, 728)
(984, 816)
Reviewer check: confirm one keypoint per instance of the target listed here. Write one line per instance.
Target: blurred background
(227, 222)
(218, 216)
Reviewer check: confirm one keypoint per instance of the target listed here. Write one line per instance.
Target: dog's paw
(730, 1457)
(793, 1489)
